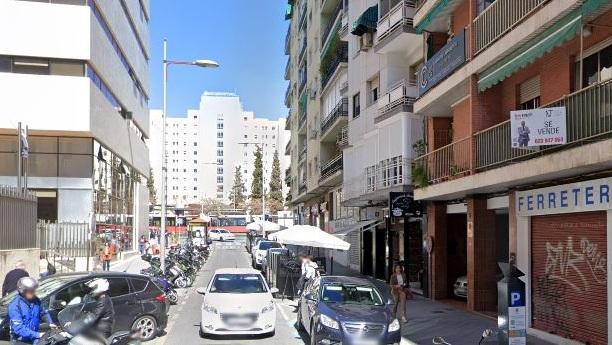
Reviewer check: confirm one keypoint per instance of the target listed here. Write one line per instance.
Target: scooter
(73, 323)
(487, 333)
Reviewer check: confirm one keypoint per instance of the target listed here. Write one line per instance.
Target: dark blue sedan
(347, 311)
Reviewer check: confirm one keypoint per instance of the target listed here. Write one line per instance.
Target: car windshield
(238, 283)
(46, 287)
(351, 294)
(267, 245)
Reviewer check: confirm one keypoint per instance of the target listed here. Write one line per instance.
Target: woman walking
(398, 284)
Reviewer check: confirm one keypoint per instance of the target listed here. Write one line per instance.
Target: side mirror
(201, 291)
(274, 290)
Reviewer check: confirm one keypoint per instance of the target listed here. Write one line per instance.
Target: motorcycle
(487, 333)
(73, 323)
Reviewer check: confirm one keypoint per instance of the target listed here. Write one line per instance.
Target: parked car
(254, 244)
(138, 302)
(347, 310)
(237, 301)
(261, 250)
(460, 289)
(220, 235)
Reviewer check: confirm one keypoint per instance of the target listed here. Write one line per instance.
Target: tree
(275, 196)
(256, 184)
(237, 193)
(212, 206)
(151, 187)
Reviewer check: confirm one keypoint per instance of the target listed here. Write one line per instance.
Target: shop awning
(357, 226)
(367, 21)
(431, 15)
(547, 40)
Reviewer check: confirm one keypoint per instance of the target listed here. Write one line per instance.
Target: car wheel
(146, 327)
(313, 335)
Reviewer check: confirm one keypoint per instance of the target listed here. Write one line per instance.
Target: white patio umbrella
(264, 226)
(309, 236)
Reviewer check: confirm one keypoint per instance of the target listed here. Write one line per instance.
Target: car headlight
(329, 322)
(269, 307)
(209, 308)
(394, 325)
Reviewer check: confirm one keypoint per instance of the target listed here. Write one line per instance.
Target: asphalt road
(185, 318)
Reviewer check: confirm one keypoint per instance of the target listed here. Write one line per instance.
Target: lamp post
(197, 63)
(263, 185)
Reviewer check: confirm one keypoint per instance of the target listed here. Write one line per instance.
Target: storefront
(563, 239)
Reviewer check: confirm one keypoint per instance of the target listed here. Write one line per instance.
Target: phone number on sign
(557, 140)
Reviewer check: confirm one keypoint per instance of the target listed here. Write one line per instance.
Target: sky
(246, 37)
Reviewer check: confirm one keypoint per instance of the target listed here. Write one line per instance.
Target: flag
(25, 147)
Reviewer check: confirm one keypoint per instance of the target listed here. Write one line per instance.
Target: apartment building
(497, 192)
(204, 148)
(77, 76)
(317, 76)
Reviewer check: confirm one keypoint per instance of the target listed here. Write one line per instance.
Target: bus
(233, 223)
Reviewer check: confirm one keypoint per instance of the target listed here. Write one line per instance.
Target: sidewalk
(427, 318)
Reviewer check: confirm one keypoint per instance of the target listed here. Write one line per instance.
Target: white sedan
(237, 301)
(220, 235)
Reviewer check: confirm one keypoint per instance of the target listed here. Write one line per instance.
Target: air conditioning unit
(366, 40)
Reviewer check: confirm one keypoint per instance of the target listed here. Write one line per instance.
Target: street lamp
(263, 185)
(197, 63)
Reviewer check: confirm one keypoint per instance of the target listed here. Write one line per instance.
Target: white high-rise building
(205, 147)
(76, 73)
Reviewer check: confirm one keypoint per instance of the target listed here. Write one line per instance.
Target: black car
(347, 311)
(138, 302)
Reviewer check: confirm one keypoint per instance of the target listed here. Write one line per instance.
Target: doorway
(367, 267)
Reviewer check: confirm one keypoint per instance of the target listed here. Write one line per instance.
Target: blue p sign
(516, 299)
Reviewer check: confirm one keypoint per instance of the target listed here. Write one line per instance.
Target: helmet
(26, 284)
(98, 285)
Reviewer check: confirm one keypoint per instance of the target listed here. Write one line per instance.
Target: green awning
(554, 36)
(366, 22)
(289, 11)
(431, 15)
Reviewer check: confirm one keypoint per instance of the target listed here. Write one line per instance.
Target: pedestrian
(398, 283)
(25, 313)
(13, 276)
(106, 257)
(142, 242)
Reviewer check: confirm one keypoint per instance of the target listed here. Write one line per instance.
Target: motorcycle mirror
(439, 341)
(201, 291)
(487, 333)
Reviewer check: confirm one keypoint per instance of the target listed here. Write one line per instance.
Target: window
(219, 170)
(529, 94)
(195, 170)
(220, 189)
(220, 135)
(118, 287)
(219, 161)
(139, 284)
(219, 179)
(373, 87)
(72, 295)
(245, 118)
(195, 152)
(195, 161)
(219, 152)
(356, 106)
(195, 188)
(220, 125)
(30, 65)
(195, 143)
(246, 136)
(595, 68)
(219, 144)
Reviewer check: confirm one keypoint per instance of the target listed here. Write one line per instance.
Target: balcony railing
(288, 40)
(287, 96)
(302, 154)
(303, 10)
(400, 15)
(302, 188)
(403, 94)
(589, 118)
(287, 69)
(384, 175)
(344, 24)
(288, 148)
(341, 109)
(331, 23)
(342, 137)
(332, 61)
(288, 122)
(419, 3)
(331, 167)
(302, 115)
(501, 17)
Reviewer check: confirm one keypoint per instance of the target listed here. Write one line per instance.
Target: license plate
(240, 320)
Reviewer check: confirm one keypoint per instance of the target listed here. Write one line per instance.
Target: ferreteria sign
(538, 127)
(593, 195)
(442, 63)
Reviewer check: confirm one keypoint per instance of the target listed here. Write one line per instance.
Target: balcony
(333, 24)
(302, 111)
(288, 148)
(330, 122)
(333, 57)
(288, 40)
(288, 96)
(395, 31)
(331, 168)
(589, 119)
(288, 122)
(499, 18)
(303, 10)
(400, 98)
(303, 44)
(344, 25)
(377, 181)
(288, 70)
(302, 154)
(342, 138)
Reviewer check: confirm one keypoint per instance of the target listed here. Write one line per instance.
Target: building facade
(499, 190)
(86, 62)
(205, 147)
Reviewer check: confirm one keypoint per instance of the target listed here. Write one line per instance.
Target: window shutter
(530, 89)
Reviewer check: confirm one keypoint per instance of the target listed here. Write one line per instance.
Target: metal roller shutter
(530, 89)
(355, 249)
(569, 276)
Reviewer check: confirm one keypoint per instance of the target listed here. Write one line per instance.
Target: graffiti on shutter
(569, 275)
